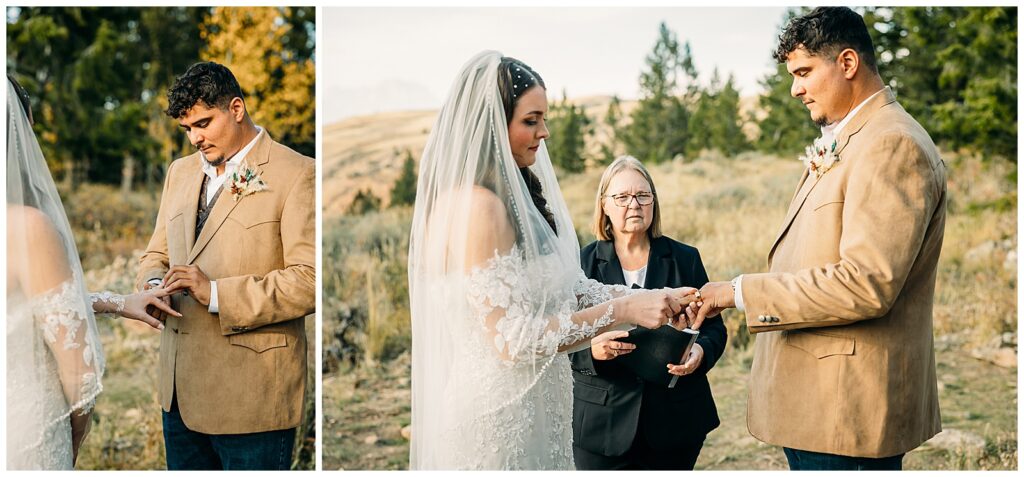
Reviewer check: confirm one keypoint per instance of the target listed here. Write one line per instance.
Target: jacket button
(762, 319)
(775, 319)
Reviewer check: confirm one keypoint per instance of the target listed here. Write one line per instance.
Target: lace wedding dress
(518, 413)
(54, 369)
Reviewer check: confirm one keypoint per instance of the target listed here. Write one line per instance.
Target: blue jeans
(807, 460)
(190, 450)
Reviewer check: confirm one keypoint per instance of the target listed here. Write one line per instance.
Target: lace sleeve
(64, 323)
(527, 320)
(591, 292)
(107, 302)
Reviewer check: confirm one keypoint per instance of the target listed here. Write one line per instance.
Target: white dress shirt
(829, 133)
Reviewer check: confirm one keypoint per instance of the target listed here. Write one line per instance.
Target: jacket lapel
(258, 156)
(191, 208)
(659, 263)
(794, 206)
(609, 266)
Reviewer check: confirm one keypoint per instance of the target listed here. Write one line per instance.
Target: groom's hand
(189, 279)
(715, 297)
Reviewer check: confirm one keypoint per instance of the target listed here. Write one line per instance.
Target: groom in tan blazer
(234, 238)
(843, 375)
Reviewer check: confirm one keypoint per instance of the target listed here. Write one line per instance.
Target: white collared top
(229, 167)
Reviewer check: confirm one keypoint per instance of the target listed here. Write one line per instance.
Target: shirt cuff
(738, 298)
(213, 297)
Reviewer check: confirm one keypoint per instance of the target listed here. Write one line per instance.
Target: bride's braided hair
(514, 79)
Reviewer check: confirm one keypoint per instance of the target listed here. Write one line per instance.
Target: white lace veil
(54, 359)
(469, 184)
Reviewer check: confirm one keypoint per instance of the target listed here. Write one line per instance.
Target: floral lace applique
(108, 298)
(534, 320)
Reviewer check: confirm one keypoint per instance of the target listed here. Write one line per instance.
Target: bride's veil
(54, 359)
(468, 182)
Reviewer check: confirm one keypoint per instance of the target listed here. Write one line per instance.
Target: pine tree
(658, 131)
(569, 126)
(404, 191)
(612, 119)
(955, 70)
(727, 135)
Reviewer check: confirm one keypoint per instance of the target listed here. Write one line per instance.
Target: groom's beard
(218, 162)
(821, 122)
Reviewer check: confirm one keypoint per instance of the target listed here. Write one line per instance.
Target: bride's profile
(55, 362)
(497, 295)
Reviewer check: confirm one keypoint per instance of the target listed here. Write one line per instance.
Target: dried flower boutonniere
(820, 157)
(246, 181)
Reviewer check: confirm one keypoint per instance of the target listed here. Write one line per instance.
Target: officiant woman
(621, 421)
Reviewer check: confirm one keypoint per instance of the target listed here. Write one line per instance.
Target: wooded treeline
(98, 78)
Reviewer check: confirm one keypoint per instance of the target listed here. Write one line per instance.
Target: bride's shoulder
(35, 249)
(486, 211)
(30, 221)
(484, 201)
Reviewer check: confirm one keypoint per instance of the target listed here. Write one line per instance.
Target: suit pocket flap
(590, 393)
(259, 342)
(826, 203)
(820, 345)
(256, 222)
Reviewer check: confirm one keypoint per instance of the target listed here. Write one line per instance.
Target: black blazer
(610, 401)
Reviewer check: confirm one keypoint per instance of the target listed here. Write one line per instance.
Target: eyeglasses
(623, 200)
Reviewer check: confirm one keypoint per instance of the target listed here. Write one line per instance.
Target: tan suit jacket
(242, 370)
(843, 360)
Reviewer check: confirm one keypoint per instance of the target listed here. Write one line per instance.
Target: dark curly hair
(208, 82)
(826, 31)
(514, 79)
(23, 98)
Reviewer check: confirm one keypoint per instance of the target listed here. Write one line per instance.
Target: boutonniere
(820, 157)
(246, 181)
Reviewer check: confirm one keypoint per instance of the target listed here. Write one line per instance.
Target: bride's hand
(136, 304)
(654, 308)
(604, 347)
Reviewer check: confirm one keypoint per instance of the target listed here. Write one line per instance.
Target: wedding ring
(697, 295)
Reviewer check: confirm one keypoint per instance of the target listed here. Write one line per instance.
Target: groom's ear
(236, 108)
(849, 62)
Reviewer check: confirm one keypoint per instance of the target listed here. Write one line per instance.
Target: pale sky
(395, 59)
